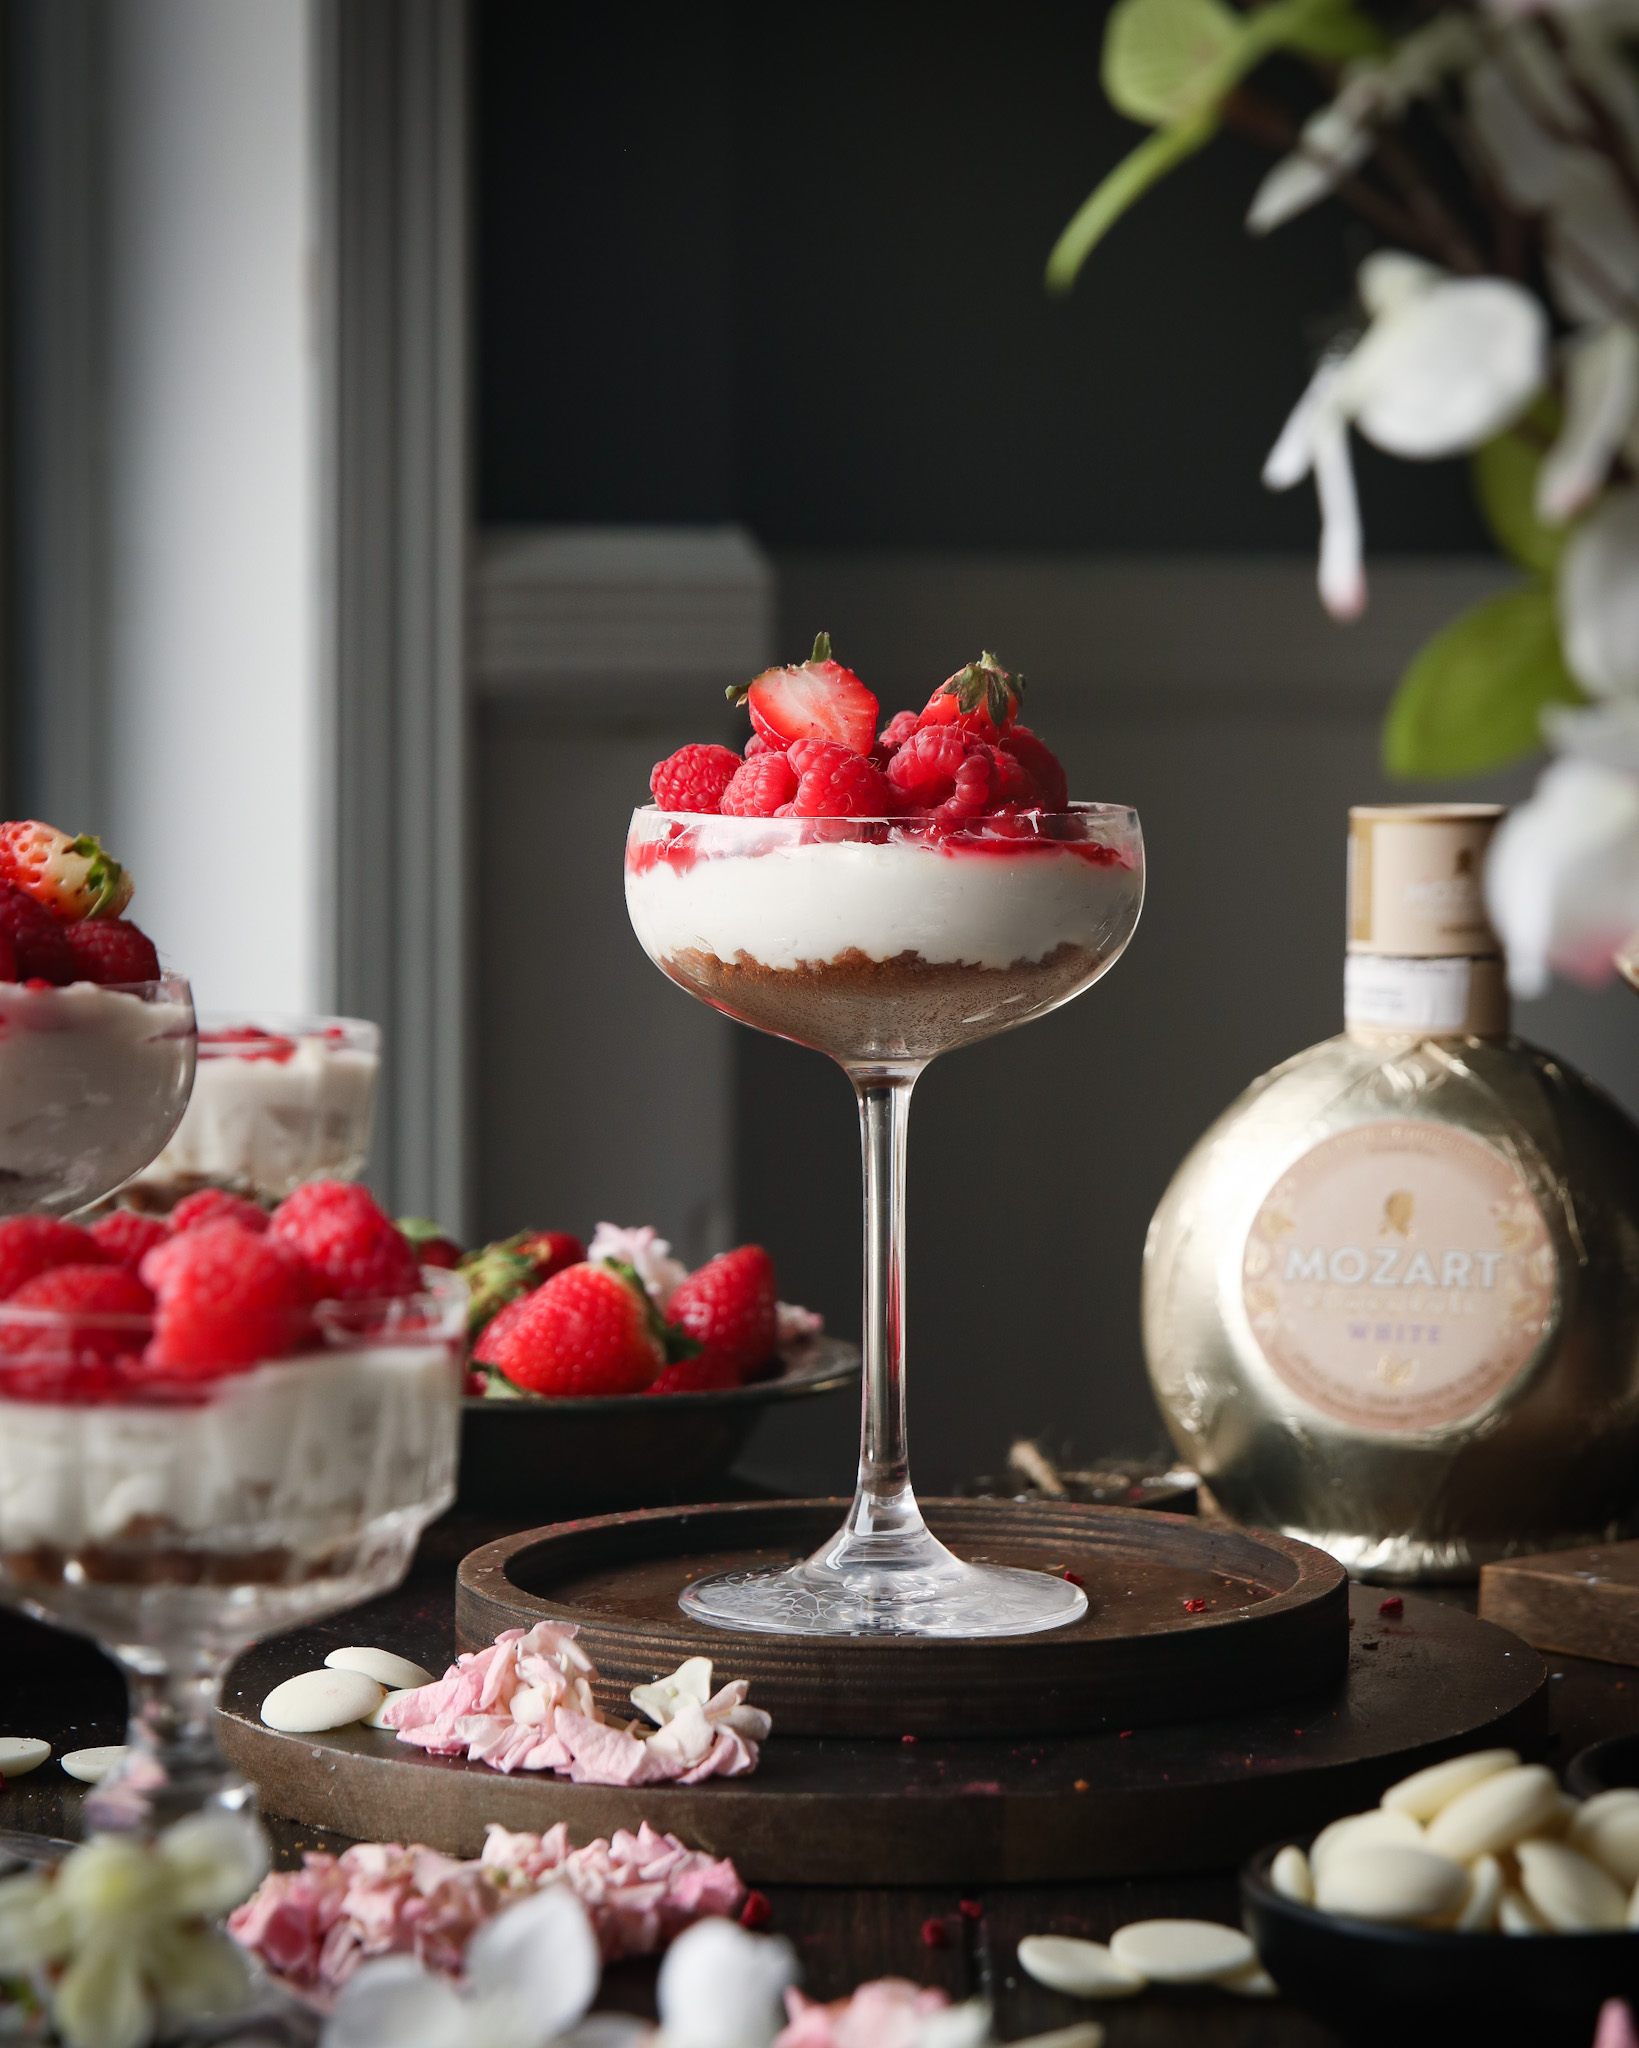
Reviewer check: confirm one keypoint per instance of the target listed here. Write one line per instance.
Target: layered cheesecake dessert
(274, 1103)
(211, 1430)
(880, 896)
(96, 1044)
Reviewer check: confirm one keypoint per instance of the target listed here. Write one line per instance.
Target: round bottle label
(1399, 1276)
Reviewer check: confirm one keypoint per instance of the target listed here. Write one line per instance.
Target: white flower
(647, 1254)
(1599, 597)
(116, 1929)
(531, 1973)
(1445, 364)
(720, 1987)
(1601, 393)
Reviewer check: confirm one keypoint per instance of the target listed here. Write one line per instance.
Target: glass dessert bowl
(176, 1514)
(276, 1101)
(885, 941)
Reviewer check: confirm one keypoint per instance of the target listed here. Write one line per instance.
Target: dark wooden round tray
(842, 1810)
(1274, 1620)
(540, 1460)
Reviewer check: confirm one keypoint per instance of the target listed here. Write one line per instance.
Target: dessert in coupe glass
(210, 1427)
(96, 1042)
(882, 898)
(276, 1101)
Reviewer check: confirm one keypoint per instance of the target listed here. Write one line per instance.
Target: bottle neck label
(1452, 997)
(1400, 1276)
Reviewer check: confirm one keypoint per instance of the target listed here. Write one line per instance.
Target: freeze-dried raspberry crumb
(757, 1911)
(1195, 1607)
(970, 1909)
(1393, 1606)
(935, 1934)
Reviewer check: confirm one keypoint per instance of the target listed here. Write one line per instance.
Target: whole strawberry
(549, 1251)
(225, 1299)
(588, 1330)
(354, 1250)
(39, 940)
(110, 951)
(982, 699)
(694, 778)
(126, 1236)
(216, 1205)
(817, 699)
(72, 878)
(431, 1243)
(33, 1244)
(727, 1307)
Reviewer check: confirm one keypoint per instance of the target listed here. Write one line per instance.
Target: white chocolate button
(1610, 1837)
(1181, 1951)
(1516, 1916)
(1363, 1831)
(1570, 1891)
(1594, 1810)
(316, 1700)
(1479, 1913)
(1083, 1969)
(374, 1720)
(1253, 1982)
(91, 1766)
(1496, 1813)
(396, 1673)
(1425, 1792)
(1390, 1881)
(1290, 1876)
(20, 1754)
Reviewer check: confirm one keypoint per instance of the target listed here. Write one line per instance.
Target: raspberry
(1011, 782)
(757, 745)
(941, 771)
(835, 782)
(227, 1299)
(33, 1244)
(1040, 763)
(78, 1290)
(727, 1307)
(39, 940)
(355, 1252)
(694, 778)
(587, 1331)
(110, 951)
(216, 1205)
(760, 787)
(893, 736)
(126, 1236)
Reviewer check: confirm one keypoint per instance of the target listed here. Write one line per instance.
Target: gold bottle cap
(1416, 880)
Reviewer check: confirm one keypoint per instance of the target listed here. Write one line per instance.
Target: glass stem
(884, 1502)
(172, 1765)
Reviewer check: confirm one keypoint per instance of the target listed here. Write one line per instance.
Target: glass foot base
(900, 1584)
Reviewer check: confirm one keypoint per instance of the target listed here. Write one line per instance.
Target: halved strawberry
(817, 699)
(982, 698)
(73, 878)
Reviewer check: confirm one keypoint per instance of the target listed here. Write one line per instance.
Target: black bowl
(1608, 1766)
(546, 1460)
(1408, 1984)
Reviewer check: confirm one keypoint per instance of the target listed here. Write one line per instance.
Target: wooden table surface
(62, 1689)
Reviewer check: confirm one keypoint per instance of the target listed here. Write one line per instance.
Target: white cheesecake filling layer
(795, 904)
(294, 1455)
(273, 1123)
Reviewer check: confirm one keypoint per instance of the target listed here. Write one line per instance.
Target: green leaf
(1162, 58)
(1335, 34)
(1504, 472)
(1127, 183)
(1473, 697)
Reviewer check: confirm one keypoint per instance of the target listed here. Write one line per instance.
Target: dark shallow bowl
(1407, 1985)
(1608, 1766)
(546, 1461)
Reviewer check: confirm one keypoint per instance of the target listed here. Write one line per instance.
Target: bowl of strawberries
(608, 1376)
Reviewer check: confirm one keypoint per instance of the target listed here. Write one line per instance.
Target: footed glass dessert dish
(885, 941)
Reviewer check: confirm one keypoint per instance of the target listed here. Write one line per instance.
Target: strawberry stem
(822, 647)
(986, 682)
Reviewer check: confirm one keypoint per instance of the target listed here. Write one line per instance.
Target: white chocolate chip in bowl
(1392, 1881)
(1081, 1969)
(1607, 1829)
(1182, 1951)
(1569, 1891)
(1496, 1813)
(398, 1674)
(20, 1754)
(1424, 1793)
(314, 1701)
(1363, 1831)
(1291, 1876)
(1485, 1886)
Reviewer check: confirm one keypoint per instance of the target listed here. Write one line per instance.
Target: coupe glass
(883, 944)
(93, 1080)
(276, 1101)
(177, 1525)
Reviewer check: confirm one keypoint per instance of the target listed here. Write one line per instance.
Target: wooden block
(1584, 1603)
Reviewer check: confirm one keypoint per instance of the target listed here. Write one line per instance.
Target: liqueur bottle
(1391, 1298)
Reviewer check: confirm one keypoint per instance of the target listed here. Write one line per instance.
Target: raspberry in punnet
(763, 784)
(39, 940)
(225, 1299)
(817, 699)
(728, 1307)
(110, 951)
(216, 1205)
(694, 778)
(72, 878)
(126, 1236)
(589, 1330)
(34, 1244)
(354, 1250)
